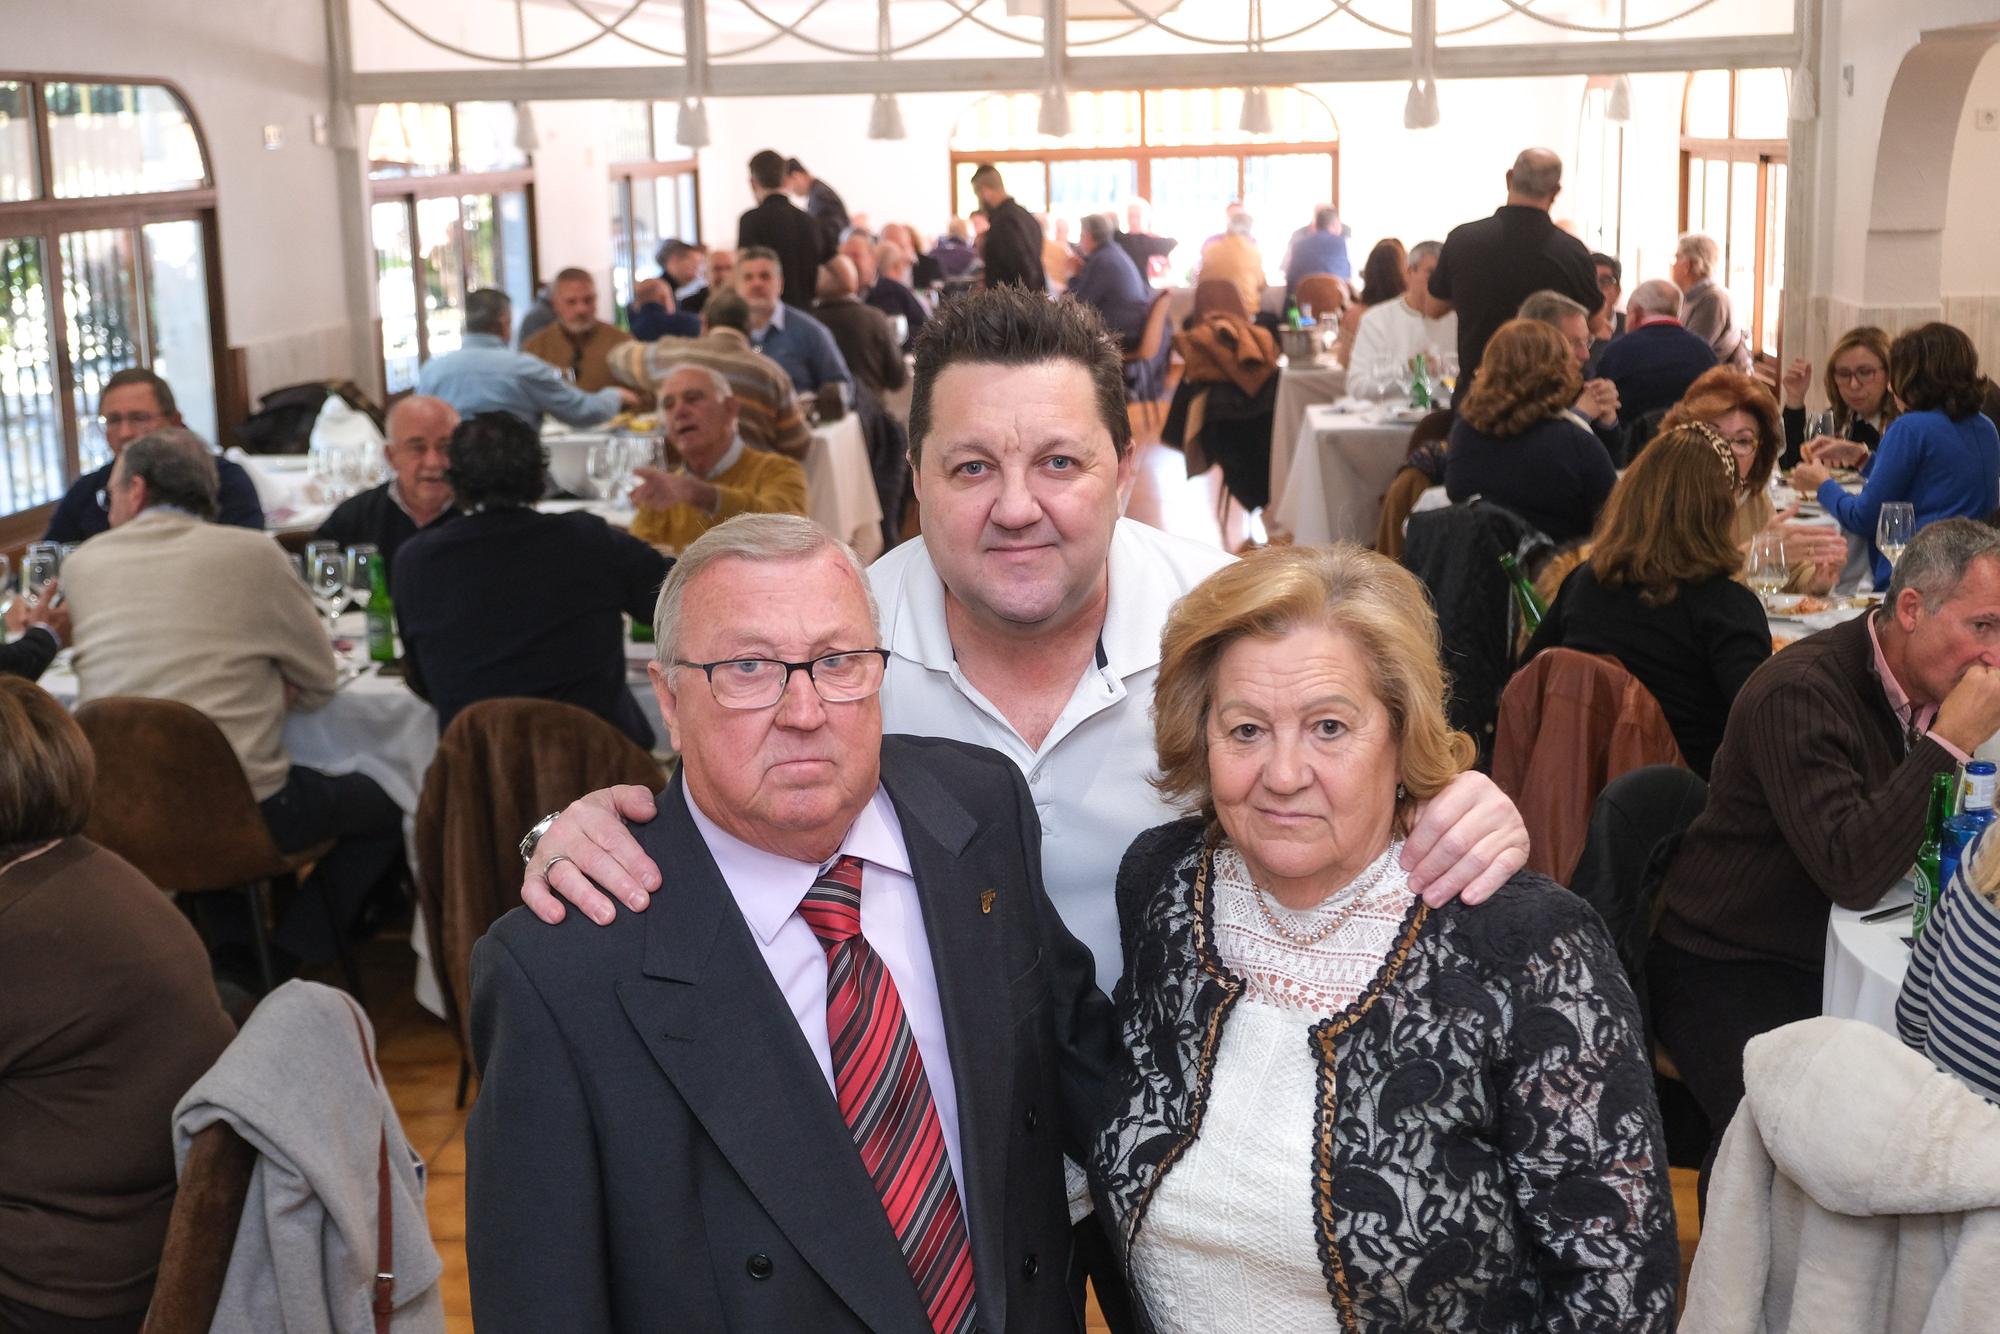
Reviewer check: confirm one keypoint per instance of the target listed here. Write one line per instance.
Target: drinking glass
(1769, 571)
(39, 571)
(1894, 528)
(1819, 424)
(605, 466)
(6, 587)
(326, 576)
(362, 558)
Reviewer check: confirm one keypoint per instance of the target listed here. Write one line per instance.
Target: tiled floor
(420, 1059)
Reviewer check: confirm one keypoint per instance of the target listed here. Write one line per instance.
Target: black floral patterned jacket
(1488, 1149)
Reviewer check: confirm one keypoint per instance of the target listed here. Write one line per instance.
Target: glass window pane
(1696, 191)
(1281, 191)
(1774, 256)
(621, 242)
(1103, 120)
(1707, 110)
(106, 326)
(481, 259)
(395, 294)
(20, 175)
(1740, 249)
(1189, 196)
(690, 216)
(666, 125)
(486, 137)
(1715, 216)
(1027, 182)
(666, 195)
(177, 292)
(443, 269)
(517, 248)
(31, 429)
(410, 139)
(1763, 104)
(121, 139)
(629, 132)
(1077, 188)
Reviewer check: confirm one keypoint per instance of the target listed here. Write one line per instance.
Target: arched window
(655, 193)
(1180, 148)
(1733, 149)
(453, 211)
(1594, 194)
(107, 260)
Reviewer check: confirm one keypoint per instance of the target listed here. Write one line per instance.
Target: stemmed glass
(1894, 528)
(1769, 571)
(326, 580)
(1819, 424)
(604, 465)
(362, 558)
(43, 563)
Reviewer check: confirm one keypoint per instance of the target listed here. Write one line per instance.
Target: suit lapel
(972, 997)
(717, 1024)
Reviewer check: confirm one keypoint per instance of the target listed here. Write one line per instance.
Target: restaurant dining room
(574, 575)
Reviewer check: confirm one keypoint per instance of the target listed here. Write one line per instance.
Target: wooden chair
(1145, 365)
(201, 1231)
(1324, 294)
(501, 765)
(172, 799)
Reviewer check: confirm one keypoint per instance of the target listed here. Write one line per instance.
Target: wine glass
(6, 587)
(44, 561)
(1769, 571)
(1819, 424)
(1894, 528)
(604, 465)
(362, 558)
(326, 577)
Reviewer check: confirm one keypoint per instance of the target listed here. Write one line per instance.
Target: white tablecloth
(1299, 388)
(840, 486)
(1345, 462)
(1865, 961)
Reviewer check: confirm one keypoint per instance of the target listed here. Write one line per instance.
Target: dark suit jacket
(79, 516)
(654, 1146)
(30, 655)
(791, 231)
(1653, 366)
(1013, 247)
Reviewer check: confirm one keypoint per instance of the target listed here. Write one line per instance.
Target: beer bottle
(1526, 600)
(1928, 854)
(381, 614)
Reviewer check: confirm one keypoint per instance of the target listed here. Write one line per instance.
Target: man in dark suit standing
(832, 1089)
(1012, 247)
(823, 204)
(780, 225)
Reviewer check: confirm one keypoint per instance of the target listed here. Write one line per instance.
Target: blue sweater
(1946, 469)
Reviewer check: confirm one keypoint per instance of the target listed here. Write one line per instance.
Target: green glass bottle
(1291, 313)
(1928, 854)
(1526, 600)
(642, 631)
(381, 613)
(1420, 383)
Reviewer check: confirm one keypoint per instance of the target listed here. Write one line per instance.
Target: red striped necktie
(885, 1098)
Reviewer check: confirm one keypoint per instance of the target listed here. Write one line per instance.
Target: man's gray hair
(1537, 174)
(488, 311)
(1550, 308)
(723, 389)
(1424, 250)
(751, 537)
(177, 468)
(1700, 250)
(1655, 296)
(1937, 558)
(1241, 223)
(1096, 226)
(1325, 218)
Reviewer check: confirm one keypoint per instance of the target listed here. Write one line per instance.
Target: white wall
(243, 64)
(1972, 214)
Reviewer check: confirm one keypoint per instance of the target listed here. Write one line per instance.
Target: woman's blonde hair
(1671, 518)
(1374, 602)
(1526, 374)
(1718, 391)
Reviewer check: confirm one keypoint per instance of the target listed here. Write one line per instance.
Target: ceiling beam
(1026, 72)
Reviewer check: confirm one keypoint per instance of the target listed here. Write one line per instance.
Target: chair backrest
(1153, 338)
(500, 766)
(1219, 296)
(171, 796)
(201, 1231)
(1322, 293)
(1455, 551)
(1635, 828)
(1569, 723)
(1397, 502)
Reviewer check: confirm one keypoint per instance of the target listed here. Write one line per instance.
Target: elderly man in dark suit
(832, 1089)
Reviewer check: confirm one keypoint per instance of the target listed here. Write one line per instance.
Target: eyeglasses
(1741, 444)
(1859, 375)
(758, 683)
(138, 420)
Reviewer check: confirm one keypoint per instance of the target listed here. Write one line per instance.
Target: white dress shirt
(1390, 334)
(1090, 775)
(768, 890)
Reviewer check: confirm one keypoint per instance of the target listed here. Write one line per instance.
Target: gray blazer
(654, 1146)
(1706, 310)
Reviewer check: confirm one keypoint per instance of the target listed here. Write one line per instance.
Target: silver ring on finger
(559, 857)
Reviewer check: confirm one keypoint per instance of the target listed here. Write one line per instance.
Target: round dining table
(1867, 953)
(1348, 454)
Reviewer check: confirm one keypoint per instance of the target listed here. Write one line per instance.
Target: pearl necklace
(1356, 892)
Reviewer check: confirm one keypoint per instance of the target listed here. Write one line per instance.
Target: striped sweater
(1949, 1008)
(1815, 798)
(767, 415)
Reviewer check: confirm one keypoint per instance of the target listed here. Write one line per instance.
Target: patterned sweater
(1488, 1147)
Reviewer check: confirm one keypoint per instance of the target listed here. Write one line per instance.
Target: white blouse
(1229, 1240)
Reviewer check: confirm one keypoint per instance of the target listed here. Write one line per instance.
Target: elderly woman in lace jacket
(1341, 1108)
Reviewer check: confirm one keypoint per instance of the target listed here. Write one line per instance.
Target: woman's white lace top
(1229, 1240)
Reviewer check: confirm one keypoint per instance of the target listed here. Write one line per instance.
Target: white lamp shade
(1420, 108)
(692, 128)
(1618, 107)
(885, 118)
(1054, 119)
(526, 137)
(1256, 112)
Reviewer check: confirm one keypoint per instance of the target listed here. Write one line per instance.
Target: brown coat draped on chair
(1220, 348)
(502, 765)
(1571, 722)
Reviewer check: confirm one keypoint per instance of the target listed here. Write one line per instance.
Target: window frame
(625, 177)
(407, 191)
(1763, 154)
(47, 218)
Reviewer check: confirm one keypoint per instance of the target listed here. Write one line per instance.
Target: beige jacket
(169, 607)
(1858, 1189)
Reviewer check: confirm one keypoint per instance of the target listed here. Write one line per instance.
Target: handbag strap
(383, 1304)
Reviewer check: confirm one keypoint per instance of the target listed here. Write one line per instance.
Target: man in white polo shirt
(1028, 619)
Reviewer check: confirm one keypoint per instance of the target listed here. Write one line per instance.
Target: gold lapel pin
(986, 897)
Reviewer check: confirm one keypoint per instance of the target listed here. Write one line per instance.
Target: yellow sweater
(757, 483)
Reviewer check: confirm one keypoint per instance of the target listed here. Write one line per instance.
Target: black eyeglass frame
(707, 669)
